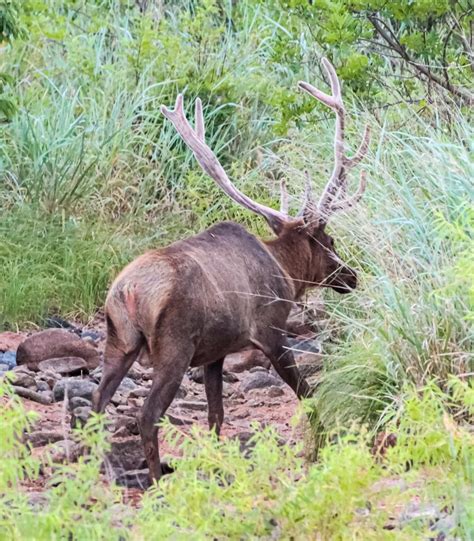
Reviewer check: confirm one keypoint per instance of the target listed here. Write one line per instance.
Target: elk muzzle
(343, 279)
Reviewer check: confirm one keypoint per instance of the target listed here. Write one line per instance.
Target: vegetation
(90, 176)
(218, 492)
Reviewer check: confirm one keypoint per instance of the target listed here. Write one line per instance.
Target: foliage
(375, 43)
(269, 492)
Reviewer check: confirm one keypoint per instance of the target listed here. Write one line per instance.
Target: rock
(258, 369)
(37, 500)
(42, 386)
(196, 374)
(57, 322)
(127, 385)
(55, 343)
(304, 345)
(419, 511)
(40, 438)
(274, 391)
(75, 387)
(8, 358)
(79, 402)
(118, 399)
(134, 479)
(139, 392)
(181, 392)
(65, 366)
(228, 377)
(79, 416)
(64, 451)
(4, 368)
(260, 380)
(10, 341)
(193, 405)
(245, 360)
(178, 420)
(126, 424)
(93, 336)
(126, 455)
(42, 398)
(23, 379)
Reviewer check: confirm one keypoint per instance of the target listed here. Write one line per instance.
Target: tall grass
(412, 240)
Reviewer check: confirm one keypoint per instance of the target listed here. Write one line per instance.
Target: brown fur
(200, 299)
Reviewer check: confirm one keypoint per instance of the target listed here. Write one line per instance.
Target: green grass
(216, 491)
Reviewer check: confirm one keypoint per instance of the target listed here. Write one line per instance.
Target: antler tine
(194, 139)
(355, 198)
(199, 120)
(283, 197)
(361, 151)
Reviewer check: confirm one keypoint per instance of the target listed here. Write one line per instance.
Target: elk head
(303, 247)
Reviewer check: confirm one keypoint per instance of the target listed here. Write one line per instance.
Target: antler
(334, 196)
(194, 139)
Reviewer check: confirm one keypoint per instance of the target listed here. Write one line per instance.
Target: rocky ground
(56, 370)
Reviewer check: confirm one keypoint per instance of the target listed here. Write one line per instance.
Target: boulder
(65, 366)
(8, 358)
(79, 402)
(39, 438)
(75, 387)
(134, 479)
(260, 380)
(245, 360)
(53, 343)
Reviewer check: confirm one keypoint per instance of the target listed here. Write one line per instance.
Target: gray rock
(93, 336)
(194, 405)
(65, 366)
(178, 420)
(419, 512)
(8, 358)
(4, 367)
(42, 386)
(302, 345)
(126, 455)
(75, 387)
(139, 392)
(42, 398)
(134, 479)
(40, 438)
(127, 385)
(259, 380)
(55, 343)
(196, 374)
(22, 379)
(79, 416)
(274, 392)
(64, 451)
(126, 424)
(245, 360)
(79, 402)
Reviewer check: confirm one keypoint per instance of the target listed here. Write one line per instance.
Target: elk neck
(292, 251)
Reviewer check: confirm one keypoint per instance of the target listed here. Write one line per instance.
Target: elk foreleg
(213, 386)
(283, 361)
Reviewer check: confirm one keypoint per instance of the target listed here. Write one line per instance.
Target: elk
(197, 300)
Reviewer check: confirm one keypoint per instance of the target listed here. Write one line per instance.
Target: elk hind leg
(213, 387)
(169, 369)
(121, 350)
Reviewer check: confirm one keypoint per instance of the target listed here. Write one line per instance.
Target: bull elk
(196, 301)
